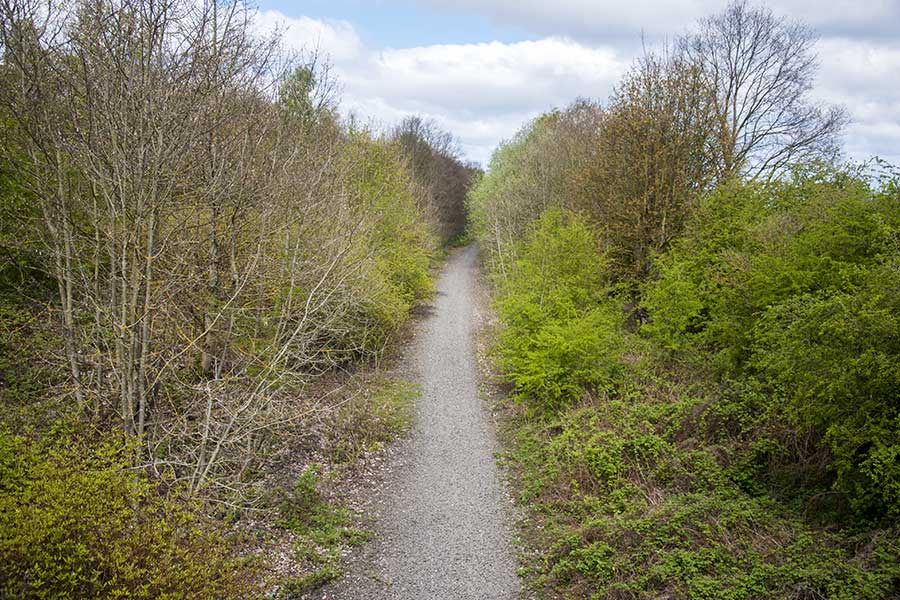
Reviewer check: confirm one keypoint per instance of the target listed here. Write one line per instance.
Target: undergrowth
(629, 500)
(732, 432)
(379, 411)
(324, 529)
(77, 521)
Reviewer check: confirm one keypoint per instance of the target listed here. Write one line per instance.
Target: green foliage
(28, 339)
(399, 236)
(374, 259)
(563, 331)
(180, 297)
(627, 505)
(296, 95)
(487, 200)
(298, 507)
(461, 240)
(297, 586)
(77, 522)
(21, 263)
(523, 180)
(835, 359)
(794, 284)
(751, 246)
(745, 444)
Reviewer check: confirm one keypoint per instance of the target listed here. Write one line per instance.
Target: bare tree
(759, 69)
(206, 217)
(433, 155)
(118, 103)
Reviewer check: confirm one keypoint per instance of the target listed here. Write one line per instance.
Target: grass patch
(322, 531)
(374, 414)
(297, 586)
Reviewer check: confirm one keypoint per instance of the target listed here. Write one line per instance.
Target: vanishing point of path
(443, 532)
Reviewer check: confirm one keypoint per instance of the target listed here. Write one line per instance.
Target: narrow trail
(443, 532)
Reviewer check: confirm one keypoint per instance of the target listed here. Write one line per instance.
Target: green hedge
(796, 285)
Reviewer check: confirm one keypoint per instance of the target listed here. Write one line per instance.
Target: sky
(484, 68)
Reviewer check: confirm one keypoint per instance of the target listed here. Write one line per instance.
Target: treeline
(190, 237)
(700, 309)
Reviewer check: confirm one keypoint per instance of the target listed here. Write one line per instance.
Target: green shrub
(563, 331)
(753, 246)
(298, 507)
(517, 189)
(77, 522)
(401, 238)
(562, 359)
(373, 416)
(747, 443)
(794, 285)
(835, 360)
(628, 504)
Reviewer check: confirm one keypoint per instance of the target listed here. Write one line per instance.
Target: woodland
(197, 254)
(206, 270)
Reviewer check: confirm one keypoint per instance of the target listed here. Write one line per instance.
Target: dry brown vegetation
(192, 243)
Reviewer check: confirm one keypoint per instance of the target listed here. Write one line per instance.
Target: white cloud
(861, 75)
(336, 39)
(483, 93)
(601, 19)
(486, 79)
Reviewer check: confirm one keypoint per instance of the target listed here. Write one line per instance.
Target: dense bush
(401, 239)
(266, 243)
(29, 367)
(651, 157)
(730, 428)
(191, 275)
(29, 364)
(796, 284)
(733, 433)
(76, 521)
(628, 505)
(563, 329)
(434, 159)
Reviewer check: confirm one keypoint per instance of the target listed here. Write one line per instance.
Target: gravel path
(443, 529)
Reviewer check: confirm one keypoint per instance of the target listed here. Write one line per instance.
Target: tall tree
(759, 69)
(651, 159)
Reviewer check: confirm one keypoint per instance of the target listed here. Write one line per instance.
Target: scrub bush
(795, 285)
(77, 522)
(563, 327)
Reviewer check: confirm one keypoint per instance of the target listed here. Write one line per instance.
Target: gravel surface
(444, 529)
